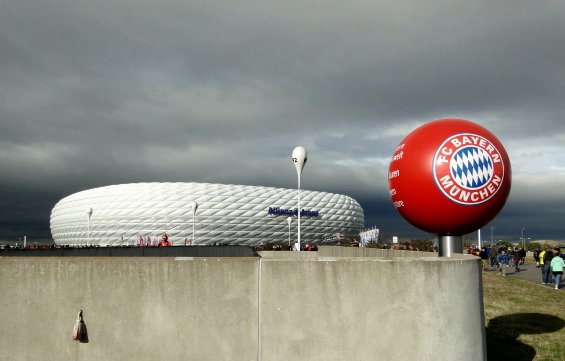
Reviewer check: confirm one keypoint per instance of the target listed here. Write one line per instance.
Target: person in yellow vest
(541, 263)
(547, 257)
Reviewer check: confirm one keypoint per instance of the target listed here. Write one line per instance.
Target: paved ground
(528, 272)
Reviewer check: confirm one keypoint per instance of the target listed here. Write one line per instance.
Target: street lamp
(522, 237)
(289, 221)
(89, 214)
(194, 208)
(299, 158)
(491, 238)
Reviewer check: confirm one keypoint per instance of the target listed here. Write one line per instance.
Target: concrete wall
(177, 251)
(279, 307)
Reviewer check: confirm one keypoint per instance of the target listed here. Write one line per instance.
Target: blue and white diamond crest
(471, 167)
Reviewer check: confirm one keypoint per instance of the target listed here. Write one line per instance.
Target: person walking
(484, 257)
(523, 254)
(502, 261)
(541, 263)
(516, 258)
(557, 265)
(536, 257)
(493, 257)
(547, 257)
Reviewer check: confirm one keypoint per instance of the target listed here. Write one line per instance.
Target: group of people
(492, 257)
(517, 256)
(551, 263)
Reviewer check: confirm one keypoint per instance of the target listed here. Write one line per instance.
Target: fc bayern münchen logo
(468, 169)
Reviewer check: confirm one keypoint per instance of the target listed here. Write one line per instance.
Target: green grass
(524, 321)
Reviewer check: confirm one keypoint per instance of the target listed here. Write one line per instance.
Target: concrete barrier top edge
(369, 259)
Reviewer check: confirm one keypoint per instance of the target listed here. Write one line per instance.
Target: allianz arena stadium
(139, 213)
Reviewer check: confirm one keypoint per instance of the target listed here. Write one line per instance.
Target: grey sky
(105, 92)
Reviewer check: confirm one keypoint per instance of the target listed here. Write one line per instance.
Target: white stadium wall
(119, 215)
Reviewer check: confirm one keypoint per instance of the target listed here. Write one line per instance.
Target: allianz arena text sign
(277, 211)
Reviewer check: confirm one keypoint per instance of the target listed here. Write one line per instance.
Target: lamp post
(299, 158)
(194, 208)
(89, 214)
(522, 237)
(491, 238)
(289, 221)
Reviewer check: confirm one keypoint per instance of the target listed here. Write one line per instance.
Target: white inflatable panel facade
(124, 214)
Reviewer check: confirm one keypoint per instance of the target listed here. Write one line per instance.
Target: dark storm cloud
(97, 93)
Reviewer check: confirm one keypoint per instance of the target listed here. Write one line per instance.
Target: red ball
(449, 177)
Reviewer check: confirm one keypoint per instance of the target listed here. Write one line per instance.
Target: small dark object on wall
(80, 333)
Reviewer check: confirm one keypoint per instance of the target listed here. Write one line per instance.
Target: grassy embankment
(524, 321)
